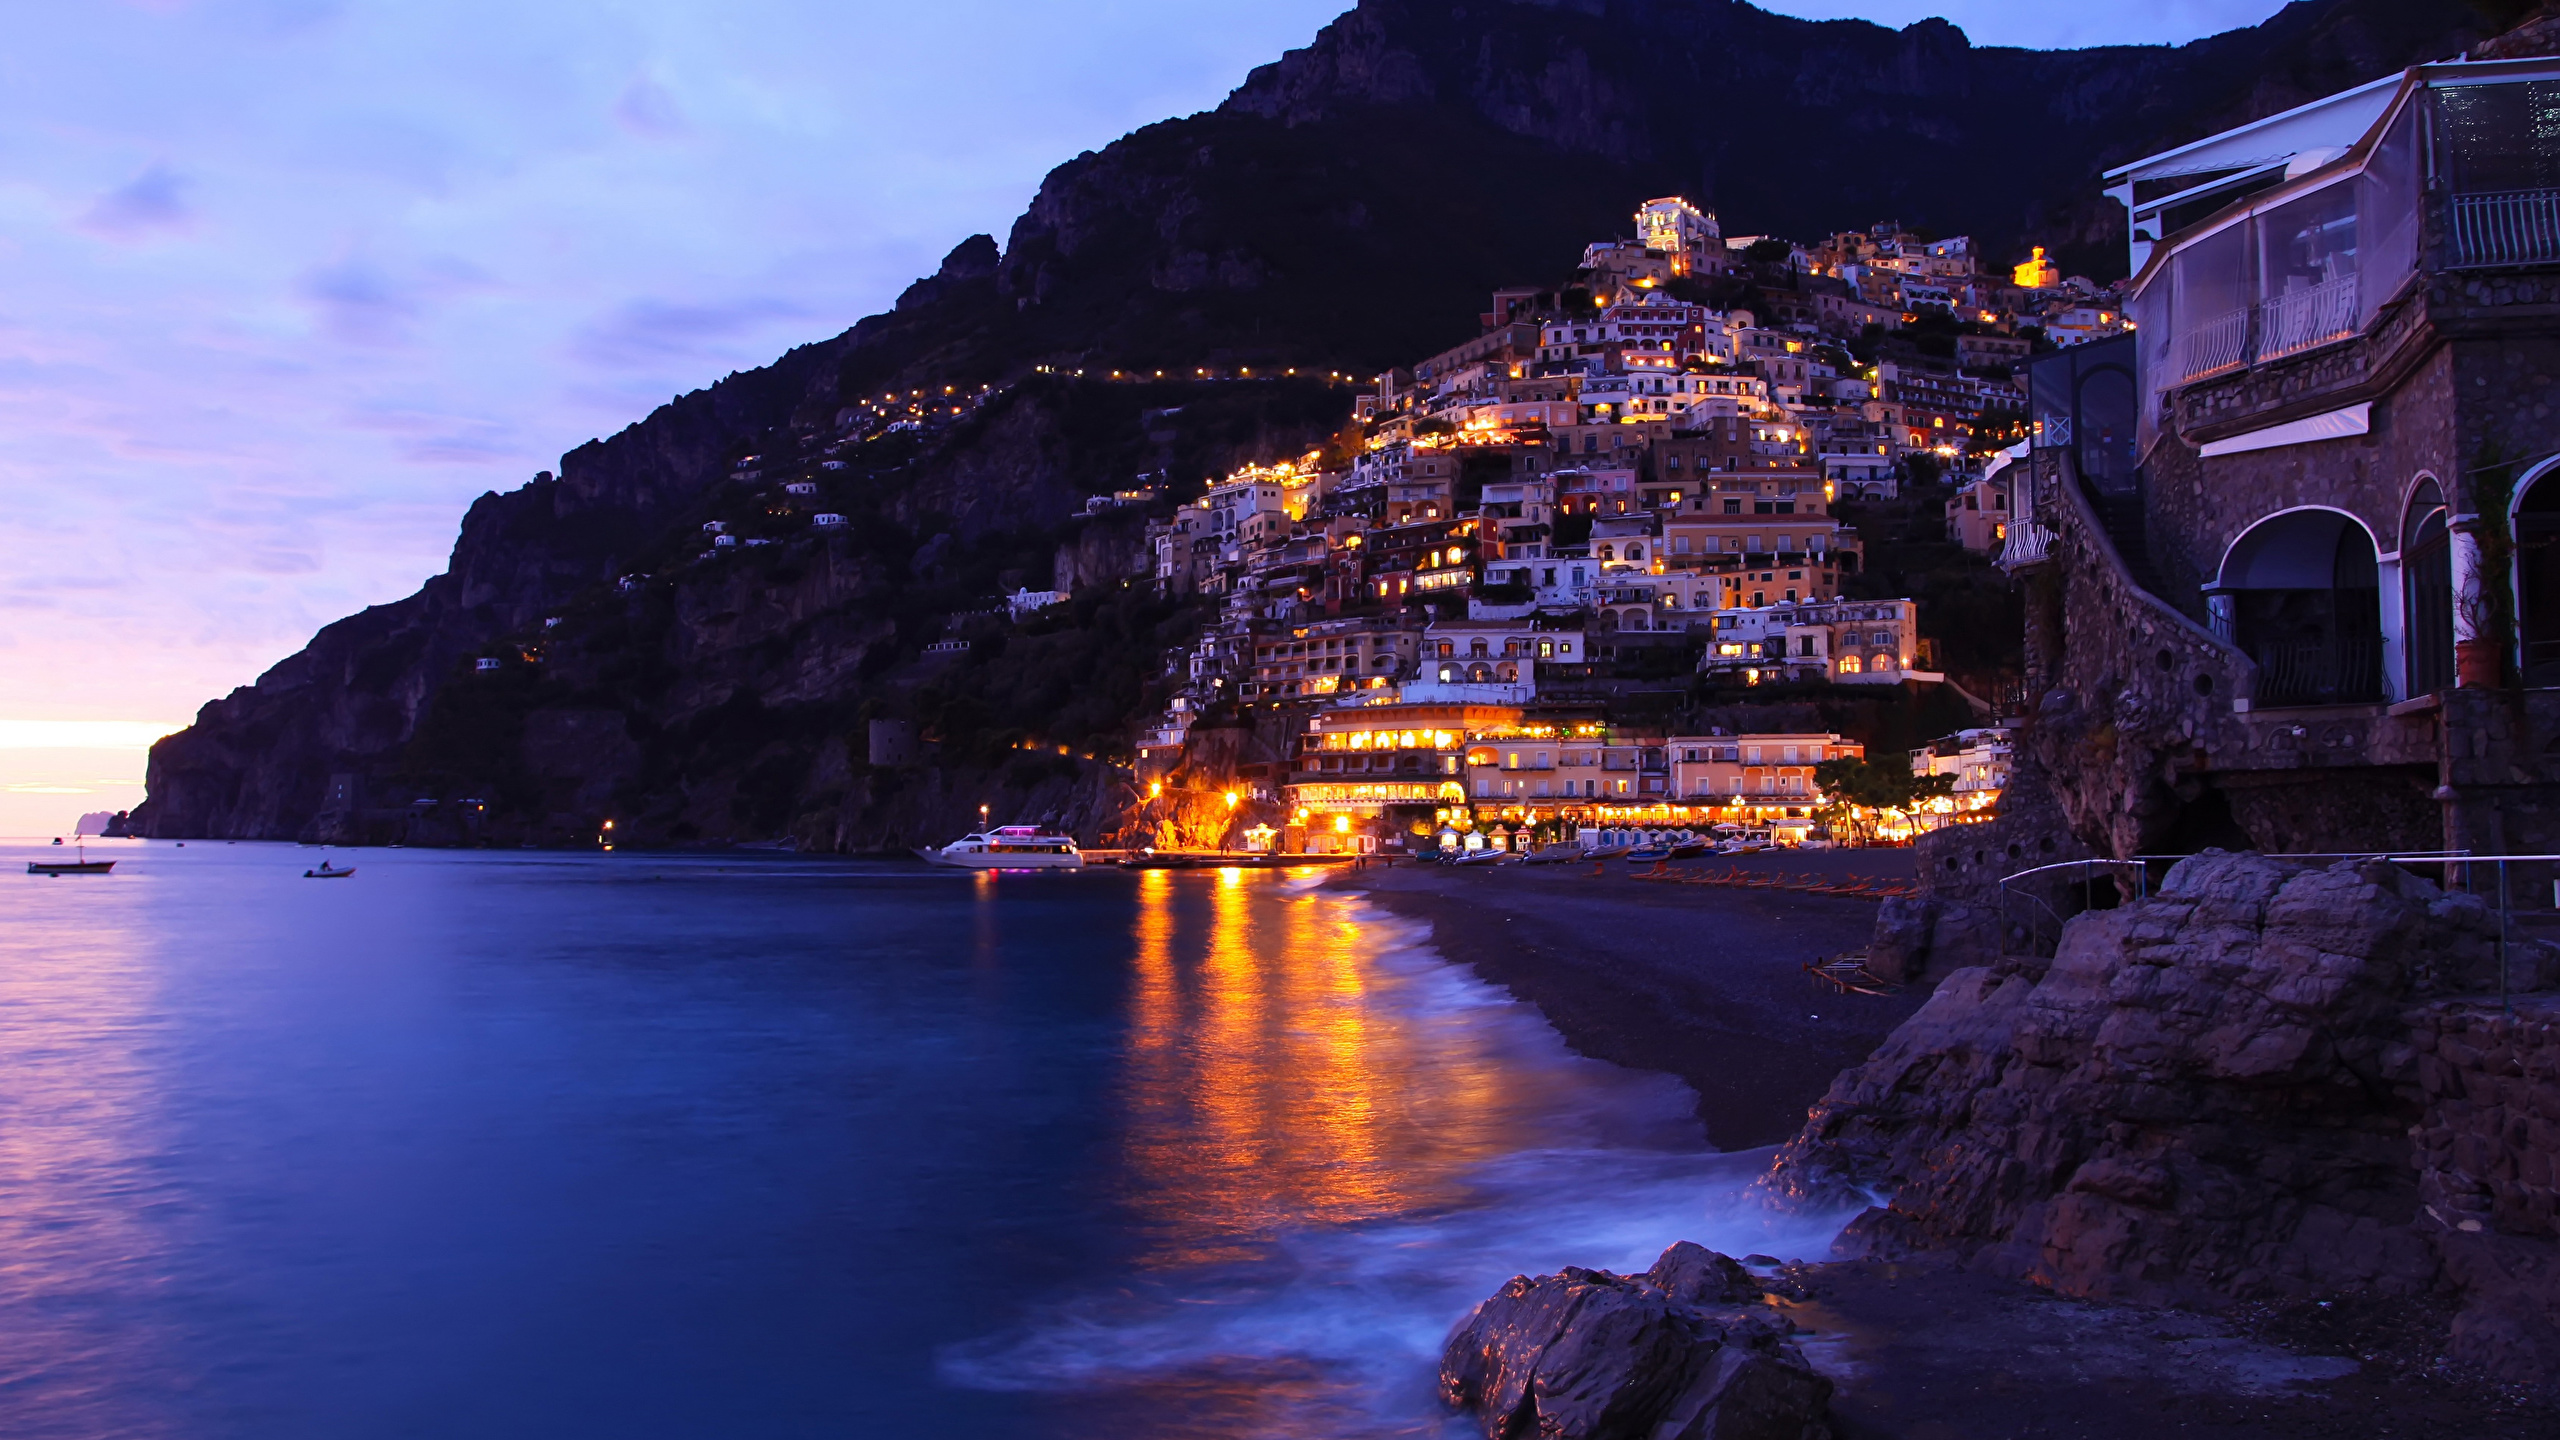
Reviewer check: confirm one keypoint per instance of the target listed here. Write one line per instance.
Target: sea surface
(499, 1145)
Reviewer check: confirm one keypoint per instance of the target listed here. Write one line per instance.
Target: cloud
(646, 332)
(152, 203)
(359, 303)
(365, 303)
(649, 109)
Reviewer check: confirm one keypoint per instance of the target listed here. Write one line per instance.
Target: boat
(1008, 847)
(1562, 853)
(82, 866)
(1648, 854)
(1605, 852)
(326, 872)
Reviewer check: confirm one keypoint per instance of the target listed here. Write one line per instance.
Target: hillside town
(1634, 479)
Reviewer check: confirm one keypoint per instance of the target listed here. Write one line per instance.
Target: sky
(284, 284)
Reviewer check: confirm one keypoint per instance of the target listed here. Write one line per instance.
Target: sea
(496, 1144)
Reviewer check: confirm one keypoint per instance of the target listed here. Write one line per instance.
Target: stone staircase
(2121, 513)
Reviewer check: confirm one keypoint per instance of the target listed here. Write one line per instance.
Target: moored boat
(327, 872)
(82, 866)
(1009, 847)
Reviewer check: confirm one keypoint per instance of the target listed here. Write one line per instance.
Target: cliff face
(1349, 208)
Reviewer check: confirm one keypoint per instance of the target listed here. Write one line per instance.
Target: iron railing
(2505, 227)
(2457, 870)
(2279, 326)
(2342, 671)
(2304, 319)
(2216, 345)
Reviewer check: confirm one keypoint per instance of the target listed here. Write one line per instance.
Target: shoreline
(1706, 985)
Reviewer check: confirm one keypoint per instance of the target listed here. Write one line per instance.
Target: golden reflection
(1280, 1076)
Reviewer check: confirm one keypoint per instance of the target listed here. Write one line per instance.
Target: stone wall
(2488, 1159)
(2488, 1146)
(2198, 507)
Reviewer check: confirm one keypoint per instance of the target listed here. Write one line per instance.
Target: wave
(1336, 1329)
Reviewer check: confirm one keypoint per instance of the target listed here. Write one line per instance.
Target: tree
(1854, 791)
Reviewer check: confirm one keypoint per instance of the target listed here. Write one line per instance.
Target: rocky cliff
(2267, 1080)
(1347, 209)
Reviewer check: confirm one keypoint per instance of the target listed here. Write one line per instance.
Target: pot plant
(2485, 608)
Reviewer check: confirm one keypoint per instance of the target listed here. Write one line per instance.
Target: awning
(2336, 425)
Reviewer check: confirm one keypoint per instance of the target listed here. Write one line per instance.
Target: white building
(1978, 759)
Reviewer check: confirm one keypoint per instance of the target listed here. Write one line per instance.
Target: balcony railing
(2340, 671)
(2301, 319)
(2505, 227)
(2214, 346)
(2281, 325)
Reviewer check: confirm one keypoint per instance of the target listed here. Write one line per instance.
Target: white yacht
(1009, 847)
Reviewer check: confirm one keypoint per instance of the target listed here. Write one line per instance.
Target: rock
(2205, 1096)
(1689, 1350)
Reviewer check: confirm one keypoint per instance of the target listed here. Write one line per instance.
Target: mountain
(1348, 208)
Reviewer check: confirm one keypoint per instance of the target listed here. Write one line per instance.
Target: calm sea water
(518, 1145)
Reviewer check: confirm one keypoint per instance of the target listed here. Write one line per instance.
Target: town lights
(1232, 797)
(1154, 788)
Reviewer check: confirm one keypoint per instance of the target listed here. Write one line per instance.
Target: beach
(1704, 983)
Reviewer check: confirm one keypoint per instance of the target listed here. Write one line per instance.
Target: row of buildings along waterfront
(1619, 476)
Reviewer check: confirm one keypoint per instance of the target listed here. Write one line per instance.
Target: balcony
(2503, 227)
(2305, 250)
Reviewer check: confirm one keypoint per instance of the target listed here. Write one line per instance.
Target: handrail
(2142, 891)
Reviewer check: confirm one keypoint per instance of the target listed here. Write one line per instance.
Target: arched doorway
(2537, 523)
(2426, 581)
(2301, 594)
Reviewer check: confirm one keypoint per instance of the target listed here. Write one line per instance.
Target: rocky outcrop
(2204, 1096)
(1689, 1350)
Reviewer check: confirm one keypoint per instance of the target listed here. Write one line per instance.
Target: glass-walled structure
(2305, 249)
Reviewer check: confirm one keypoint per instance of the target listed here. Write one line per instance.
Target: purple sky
(288, 282)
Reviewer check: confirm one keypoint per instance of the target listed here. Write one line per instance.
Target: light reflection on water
(1338, 1144)
(533, 1146)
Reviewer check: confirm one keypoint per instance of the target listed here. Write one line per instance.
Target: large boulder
(1689, 1350)
(2205, 1096)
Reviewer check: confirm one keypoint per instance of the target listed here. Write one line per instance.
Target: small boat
(1557, 854)
(1009, 847)
(1151, 860)
(1648, 854)
(82, 866)
(1605, 852)
(327, 872)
